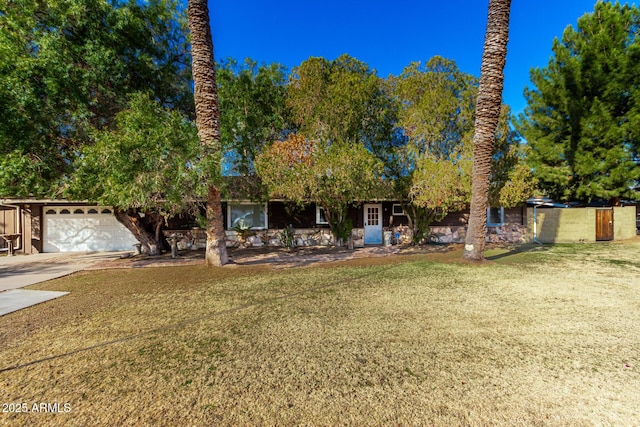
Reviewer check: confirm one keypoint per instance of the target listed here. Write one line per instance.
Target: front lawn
(546, 336)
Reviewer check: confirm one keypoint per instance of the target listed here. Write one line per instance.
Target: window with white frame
(495, 217)
(321, 218)
(397, 210)
(247, 215)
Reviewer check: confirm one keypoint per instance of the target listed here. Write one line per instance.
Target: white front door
(372, 224)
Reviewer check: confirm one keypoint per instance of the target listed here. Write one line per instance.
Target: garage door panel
(85, 233)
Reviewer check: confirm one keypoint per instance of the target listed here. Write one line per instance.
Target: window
(495, 217)
(321, 218)
(373, 216)
(92, 211)
(79, 211)
(51, 212)
(398, 211)
(247, 215)
(105, 211)
(64, 212)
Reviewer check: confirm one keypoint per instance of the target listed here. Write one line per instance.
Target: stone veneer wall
(508, 233)
(197, 238)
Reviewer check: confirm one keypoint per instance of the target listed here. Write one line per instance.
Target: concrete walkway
(17, 299)
(16, 272)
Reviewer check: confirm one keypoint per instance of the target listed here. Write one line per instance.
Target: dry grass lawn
(546, 336)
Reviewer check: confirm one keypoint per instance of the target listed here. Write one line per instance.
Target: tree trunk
(154, 221)
(216, 252)
(133, 223)
(487, 115)
(420, 220)
(208, 123)
(340, 225)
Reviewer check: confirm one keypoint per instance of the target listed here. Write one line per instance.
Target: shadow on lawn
(513, 250)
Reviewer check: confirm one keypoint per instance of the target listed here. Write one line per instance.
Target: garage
(84, 229)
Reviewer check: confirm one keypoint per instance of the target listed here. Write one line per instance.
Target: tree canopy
(252, 110)
(583, 115)
(145, 167)
(333, 175)
(414, 131)
(145, 162)
(68, 67)
(436, 113)
(334, 100)
(335, 106)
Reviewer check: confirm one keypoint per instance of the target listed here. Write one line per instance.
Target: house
(372, 220)
(67, 226)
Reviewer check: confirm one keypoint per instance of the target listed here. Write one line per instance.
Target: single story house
(38, 225)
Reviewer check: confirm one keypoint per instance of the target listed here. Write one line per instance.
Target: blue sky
(390, 35)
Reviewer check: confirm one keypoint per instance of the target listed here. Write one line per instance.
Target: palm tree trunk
(208, 123)
(487, 115)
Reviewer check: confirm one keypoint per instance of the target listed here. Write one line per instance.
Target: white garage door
(84, 229)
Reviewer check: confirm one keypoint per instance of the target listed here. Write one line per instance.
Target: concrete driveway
(16, 272)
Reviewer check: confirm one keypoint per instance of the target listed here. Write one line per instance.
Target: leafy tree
(67, 67)
(435, 114)
(582, 118)
(488, 110)
(382, 134)
(208, 123)
(336, 106)
(143, 168)
(511, 181)
(333, 175)
(252, 110)
(437, 110)
(334, 100)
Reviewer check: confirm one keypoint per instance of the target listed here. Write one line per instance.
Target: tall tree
(68, 67)
(436, 114)
(252, 111)
(334, 100)
(582, 119)
(488, 109)
(208, 123)
(143, 167)
(336, 106)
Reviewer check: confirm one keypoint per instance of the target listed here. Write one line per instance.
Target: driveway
(17, 272)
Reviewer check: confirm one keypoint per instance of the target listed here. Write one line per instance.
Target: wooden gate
(604, 224)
